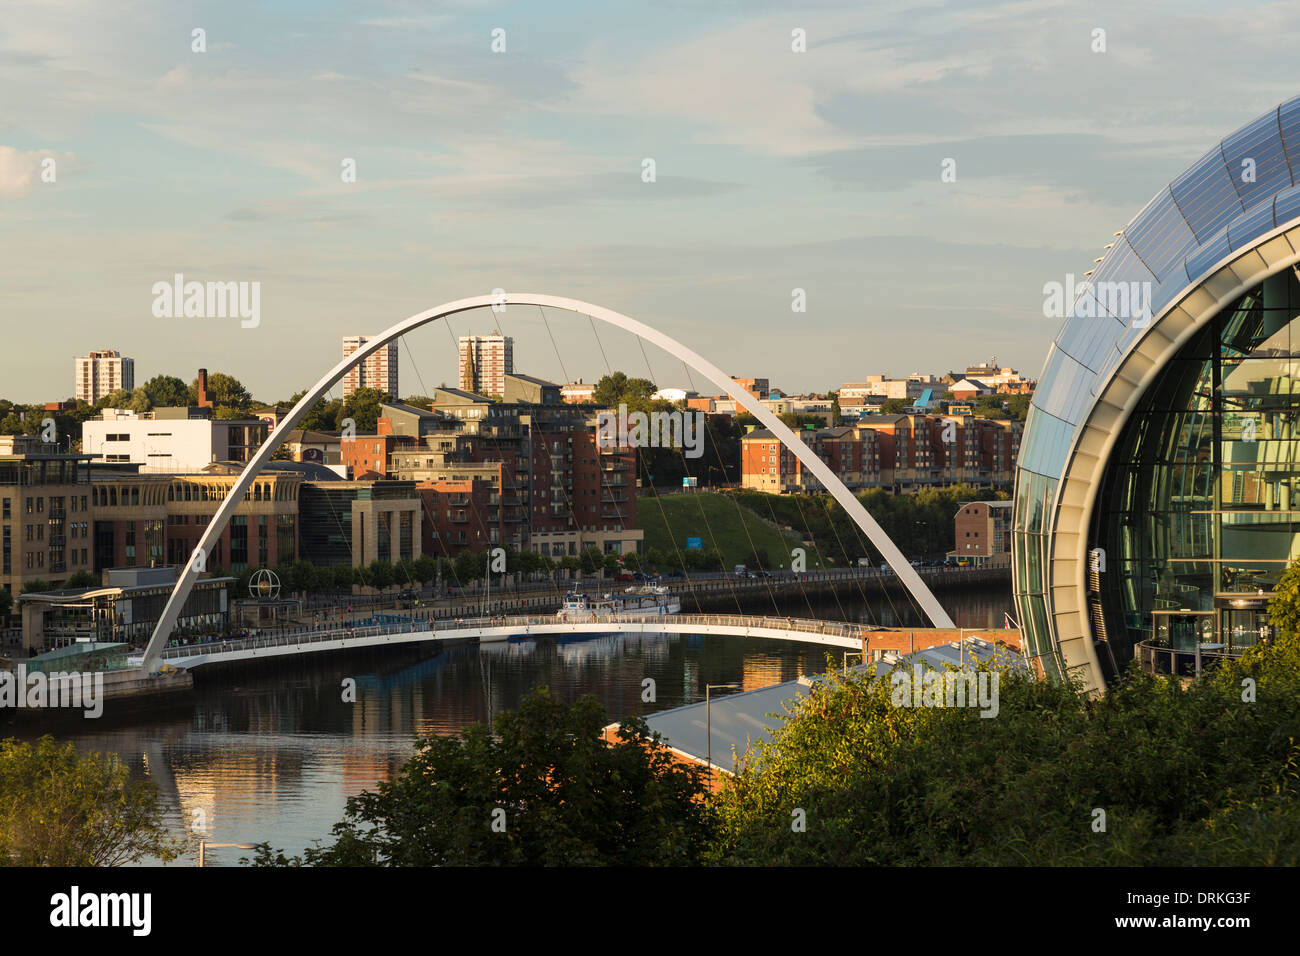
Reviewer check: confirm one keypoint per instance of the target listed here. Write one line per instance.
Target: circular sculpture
(264, 585)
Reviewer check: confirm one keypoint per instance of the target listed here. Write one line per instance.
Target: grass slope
(720, 522)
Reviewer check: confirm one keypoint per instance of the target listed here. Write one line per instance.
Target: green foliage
(1186, 776)
(168, 391)
(557, 793)
(380, 574)
(363, 407)
(60, 807)
(592, 560)
(668, 520)
(36, 586)
(83, 579)
(227, 392)
(920, 524)
(426, 568)
(617, 388)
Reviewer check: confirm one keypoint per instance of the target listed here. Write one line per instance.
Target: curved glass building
(1158, 485)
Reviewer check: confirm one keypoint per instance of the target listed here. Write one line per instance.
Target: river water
(272, 755)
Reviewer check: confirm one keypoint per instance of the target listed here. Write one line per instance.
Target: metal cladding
(1229, 202)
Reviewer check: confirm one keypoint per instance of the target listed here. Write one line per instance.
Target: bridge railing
(310, 636)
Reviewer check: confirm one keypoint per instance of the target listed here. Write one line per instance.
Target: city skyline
(818, 170)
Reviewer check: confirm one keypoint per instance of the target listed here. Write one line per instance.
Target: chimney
(204, 397)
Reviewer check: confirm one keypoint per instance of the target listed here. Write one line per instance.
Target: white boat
(581, 608)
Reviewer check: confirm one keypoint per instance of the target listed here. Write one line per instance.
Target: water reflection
(273, 755)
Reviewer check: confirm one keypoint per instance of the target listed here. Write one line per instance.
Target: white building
(910, 388)
(485, 360)
(102, 373)
(674, 394)
(379, 371)
(161, 443)
(578, 393)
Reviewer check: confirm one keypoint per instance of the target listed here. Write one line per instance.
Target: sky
(523, 169)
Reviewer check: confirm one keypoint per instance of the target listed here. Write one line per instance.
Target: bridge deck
(487, 629)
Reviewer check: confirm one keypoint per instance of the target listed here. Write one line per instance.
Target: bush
(60, 807)
(540, 788)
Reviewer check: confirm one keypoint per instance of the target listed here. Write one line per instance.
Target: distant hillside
(721, 523)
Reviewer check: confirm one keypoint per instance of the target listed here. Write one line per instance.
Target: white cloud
(21, 171)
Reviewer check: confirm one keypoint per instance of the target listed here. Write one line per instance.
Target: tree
(119, 398)
(36, 586)
(60, 807)
(362, 406)
(895, 406)
(380, 574)
(168, 391)
(83, 579)
(540, 788)
(426, 568)
(227, 392)
(1197, 775)
(323, 416)
(616, 388)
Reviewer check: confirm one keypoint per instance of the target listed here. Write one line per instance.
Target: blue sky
(522, 170)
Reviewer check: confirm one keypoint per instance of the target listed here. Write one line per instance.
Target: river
(271, 755)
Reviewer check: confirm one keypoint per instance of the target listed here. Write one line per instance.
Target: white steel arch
(906, 573)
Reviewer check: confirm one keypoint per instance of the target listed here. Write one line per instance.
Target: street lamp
(708, 725)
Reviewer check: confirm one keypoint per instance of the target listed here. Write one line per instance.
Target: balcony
(1157, 658)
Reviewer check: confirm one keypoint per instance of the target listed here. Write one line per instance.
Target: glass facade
(1200, 504)
(1194, 513)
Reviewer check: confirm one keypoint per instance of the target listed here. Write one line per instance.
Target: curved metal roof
(1241, 189)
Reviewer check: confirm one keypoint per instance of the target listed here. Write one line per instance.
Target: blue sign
(695, 543)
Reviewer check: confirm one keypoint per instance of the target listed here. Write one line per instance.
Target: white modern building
(102, 373)
(485, 360)
(170, 440)
(379, 371)
(674, 394)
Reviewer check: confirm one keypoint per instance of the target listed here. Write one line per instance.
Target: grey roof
(462, 394)
(409, 409)
(531, 378)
